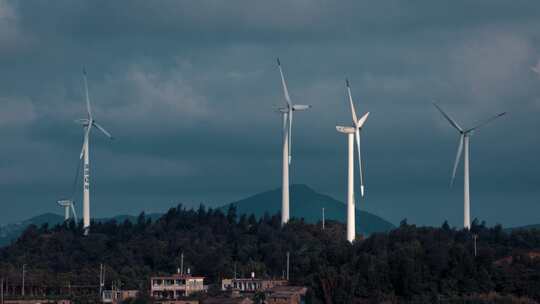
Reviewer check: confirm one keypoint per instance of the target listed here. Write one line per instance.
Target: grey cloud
(140, 96)
(491, 66)
(536, 68)
(9, 31)
(259, 20)
(16, 112)
(188, 89)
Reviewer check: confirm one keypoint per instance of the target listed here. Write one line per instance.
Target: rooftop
(223, 300)
(177, 276)
(286, 291)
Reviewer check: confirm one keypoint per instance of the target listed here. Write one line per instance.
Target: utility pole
(182, 263)
(23, 277)
(475, 236)
(2, 292)
(288, 259)
(101, 279)
(323, 218)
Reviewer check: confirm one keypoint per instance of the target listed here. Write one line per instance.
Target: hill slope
(408, 265)
(526, 227)
(12, 231)
(306, 203)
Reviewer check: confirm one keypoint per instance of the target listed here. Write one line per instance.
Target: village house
(175, 287)
(286, 295)
(37, 301)
(224, 300)
(118, 296)
(250, 284)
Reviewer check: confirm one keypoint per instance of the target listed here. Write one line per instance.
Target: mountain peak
(306, 203)
(301, 188)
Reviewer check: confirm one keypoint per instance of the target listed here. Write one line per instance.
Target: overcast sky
(188, 88)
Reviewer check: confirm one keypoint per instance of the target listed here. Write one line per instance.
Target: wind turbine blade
(458, 157)
(74, 213)
(103, 130)
(485, 122)
(450, 120)
(357, 133)
(290, 134)
(86, 134)
(284, 84)
(82, 150)
(353, 111)
(88, 108)
(360, 123)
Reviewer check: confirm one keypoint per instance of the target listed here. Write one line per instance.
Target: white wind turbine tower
(352, 133)
(287, 112)
(464, 145)
(87, 123)
(68, 206)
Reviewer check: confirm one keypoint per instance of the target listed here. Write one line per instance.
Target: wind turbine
(464, 145)
(68, 205)
(87, 124)
(287, 112)
(352, 133)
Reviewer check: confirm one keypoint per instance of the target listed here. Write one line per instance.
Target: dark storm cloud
(188, 89)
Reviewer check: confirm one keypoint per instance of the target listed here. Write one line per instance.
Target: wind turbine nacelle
(82, 121)
(300, 107)
(64, 203)
(346, 130)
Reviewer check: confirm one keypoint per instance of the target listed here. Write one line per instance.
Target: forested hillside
(408, 263)
(305, 203)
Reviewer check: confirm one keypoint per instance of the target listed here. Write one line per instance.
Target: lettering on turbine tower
(86, 176)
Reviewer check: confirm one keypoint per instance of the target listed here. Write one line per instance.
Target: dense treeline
(410, 263)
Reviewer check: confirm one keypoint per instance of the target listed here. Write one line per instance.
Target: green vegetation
(410, 263)
(305, 203)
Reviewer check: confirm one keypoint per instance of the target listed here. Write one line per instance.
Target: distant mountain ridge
(10, 232)
(304, 201)
(526, 227)
(307, 204)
